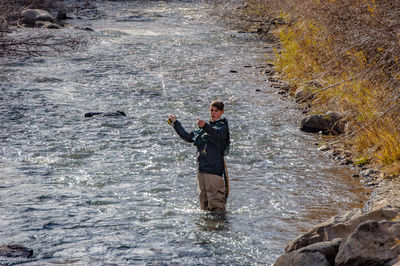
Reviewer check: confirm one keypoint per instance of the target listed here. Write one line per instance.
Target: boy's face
(215, 114)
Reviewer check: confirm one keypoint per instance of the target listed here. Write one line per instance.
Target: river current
(122, 190)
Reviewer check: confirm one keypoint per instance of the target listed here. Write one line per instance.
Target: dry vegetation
(350, 52)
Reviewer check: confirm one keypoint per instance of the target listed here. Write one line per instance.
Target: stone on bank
(354, 238)
(329, 123)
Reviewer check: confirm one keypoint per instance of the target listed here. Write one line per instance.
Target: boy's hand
(201, 123)
(172, 118)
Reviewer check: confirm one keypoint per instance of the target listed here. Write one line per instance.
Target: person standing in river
(212, 142)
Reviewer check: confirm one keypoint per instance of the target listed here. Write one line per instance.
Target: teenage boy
(212, 142)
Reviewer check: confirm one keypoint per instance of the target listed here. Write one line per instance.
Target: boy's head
(216, 110)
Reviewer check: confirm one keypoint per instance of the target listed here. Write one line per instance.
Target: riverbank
(324, 65)
(385, 187)
(362, 139)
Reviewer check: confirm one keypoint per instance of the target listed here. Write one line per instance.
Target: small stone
(368, 172)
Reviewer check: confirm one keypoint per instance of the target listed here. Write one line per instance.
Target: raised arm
(182, 132)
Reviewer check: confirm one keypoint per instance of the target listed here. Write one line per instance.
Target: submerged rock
(15, 251)
(330, 123)
(117, 113)
(46, 25)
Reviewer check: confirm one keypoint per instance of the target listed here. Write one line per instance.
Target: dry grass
(356, 42)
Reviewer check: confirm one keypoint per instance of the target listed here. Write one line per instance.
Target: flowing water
(123, 190)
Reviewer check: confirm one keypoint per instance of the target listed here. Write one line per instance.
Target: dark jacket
(212, 142)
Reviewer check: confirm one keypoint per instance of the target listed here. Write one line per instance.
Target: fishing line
(170, 106)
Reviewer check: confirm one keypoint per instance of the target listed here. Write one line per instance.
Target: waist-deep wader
(201, 139)
(219, 145)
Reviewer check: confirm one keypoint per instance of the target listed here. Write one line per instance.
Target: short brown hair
(217, 104)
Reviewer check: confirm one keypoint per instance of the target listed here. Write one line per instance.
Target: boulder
(341, 226)
(300, 259)
(30, 16)
(322, 253)
(372, 243)
(15, 251)
(330, 123)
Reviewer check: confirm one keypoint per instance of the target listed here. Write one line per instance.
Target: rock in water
(15, 251)
(117, 113)
(30, 16)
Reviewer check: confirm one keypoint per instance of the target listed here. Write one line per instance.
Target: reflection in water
(213, 221)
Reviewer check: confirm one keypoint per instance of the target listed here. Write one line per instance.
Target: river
(122, 190)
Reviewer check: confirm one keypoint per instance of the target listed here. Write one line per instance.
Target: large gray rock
(341, 226)
(372, 243)
(322, 253)
(14, 251)
(30, 16)
(301, 259)
(330, 123)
